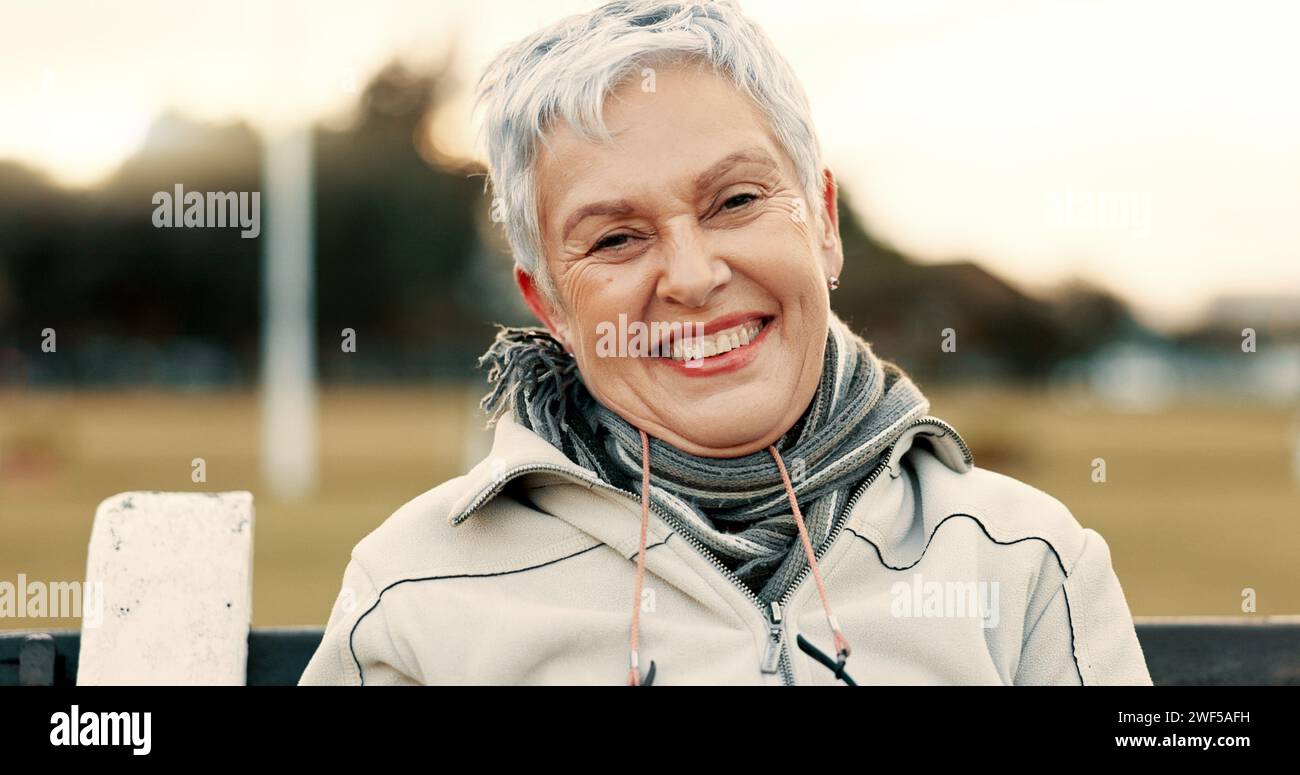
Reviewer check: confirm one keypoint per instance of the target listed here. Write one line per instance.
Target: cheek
(597, 295)
(591, 284)
(794, 209)
(776, 249)
(582, 296)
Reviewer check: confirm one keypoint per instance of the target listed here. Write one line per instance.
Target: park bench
(176, 573)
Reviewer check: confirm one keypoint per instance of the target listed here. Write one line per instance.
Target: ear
(542, 308)
(829, 236)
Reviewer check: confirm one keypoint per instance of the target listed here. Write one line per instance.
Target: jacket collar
(516, 451)
(945, 441)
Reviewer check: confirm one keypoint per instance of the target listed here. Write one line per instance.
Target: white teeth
(698, 348)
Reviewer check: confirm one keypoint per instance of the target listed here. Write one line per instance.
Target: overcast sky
(1153, 148)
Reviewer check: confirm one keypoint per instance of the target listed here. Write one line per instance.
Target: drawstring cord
(841, 643)
(634, 671)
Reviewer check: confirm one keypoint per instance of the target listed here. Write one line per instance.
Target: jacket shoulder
(1008, 510)
(418, 539)
(358, 647)
(1078, 625)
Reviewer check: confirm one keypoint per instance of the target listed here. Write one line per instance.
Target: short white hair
(568, 69)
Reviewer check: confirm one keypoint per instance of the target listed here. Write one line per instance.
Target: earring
(834, 283)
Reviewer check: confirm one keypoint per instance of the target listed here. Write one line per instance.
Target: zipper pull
(772, 657)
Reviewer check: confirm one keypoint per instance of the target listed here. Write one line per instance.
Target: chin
(726, 422)
(729, 440)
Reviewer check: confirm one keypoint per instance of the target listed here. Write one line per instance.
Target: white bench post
(168, 595)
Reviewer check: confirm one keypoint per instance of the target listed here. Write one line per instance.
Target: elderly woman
(700, 475)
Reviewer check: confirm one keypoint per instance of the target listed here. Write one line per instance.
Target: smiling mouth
(697, 350)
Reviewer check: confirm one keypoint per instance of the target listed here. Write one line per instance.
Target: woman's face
(693, 216)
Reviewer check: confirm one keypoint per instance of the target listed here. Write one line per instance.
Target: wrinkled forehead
(667, 128)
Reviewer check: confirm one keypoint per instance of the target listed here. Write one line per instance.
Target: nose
(691, 273)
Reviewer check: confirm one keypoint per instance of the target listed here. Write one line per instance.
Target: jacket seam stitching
(1069, 619)
(380, 598)
(369, 579)
(558, 549)
(983, 530)
(1081, 642)
(649, 547)
(1074, 642)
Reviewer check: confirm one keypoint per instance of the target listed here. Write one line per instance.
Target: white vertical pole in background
(289, 455)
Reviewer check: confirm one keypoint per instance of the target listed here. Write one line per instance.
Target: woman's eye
(738, 201)
(610, 242)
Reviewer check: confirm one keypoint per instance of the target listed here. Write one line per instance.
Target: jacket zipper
(838, 524)
(776, 643)
(776, 640)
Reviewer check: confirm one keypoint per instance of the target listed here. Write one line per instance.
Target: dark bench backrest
(1178, 651)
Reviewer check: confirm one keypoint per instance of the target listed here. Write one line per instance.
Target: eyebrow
(702, 181)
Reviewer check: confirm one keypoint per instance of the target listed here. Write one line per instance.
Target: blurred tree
(395, 238)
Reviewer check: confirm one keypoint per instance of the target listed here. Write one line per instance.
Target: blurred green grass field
(1200, 501)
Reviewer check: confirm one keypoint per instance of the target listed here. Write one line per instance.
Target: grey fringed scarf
(737, 507)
